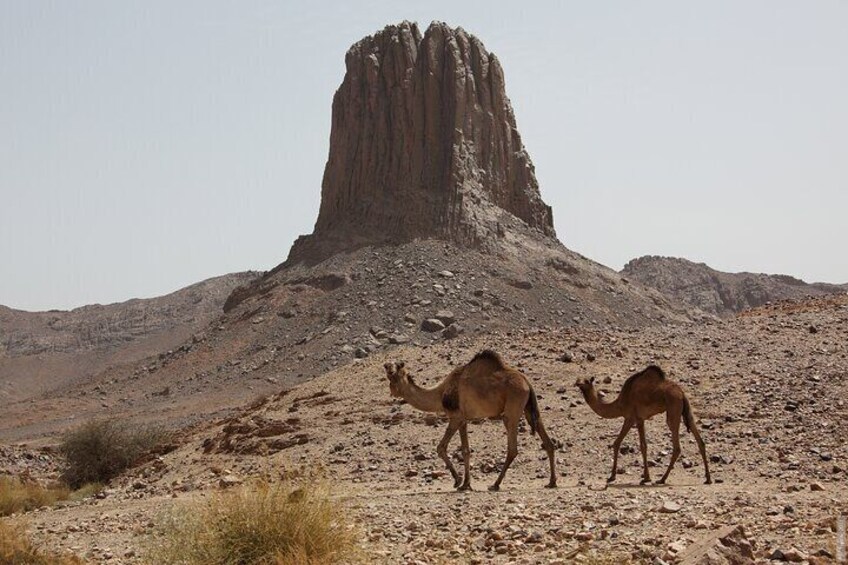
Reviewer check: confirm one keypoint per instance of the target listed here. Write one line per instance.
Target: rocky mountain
(424, 147)
(42, 350)
(423, 144)
(431, 228)
(716, 292)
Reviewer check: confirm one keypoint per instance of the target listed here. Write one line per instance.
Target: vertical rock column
(423, 145)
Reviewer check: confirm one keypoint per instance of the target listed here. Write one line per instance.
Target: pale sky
(145, 146)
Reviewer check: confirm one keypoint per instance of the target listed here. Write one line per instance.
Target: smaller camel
(644, 395)
(484, 388)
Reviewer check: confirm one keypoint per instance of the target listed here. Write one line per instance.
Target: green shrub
(100, 450)
(16, 548)
(258, 524)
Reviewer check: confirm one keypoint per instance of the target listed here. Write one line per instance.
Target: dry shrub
(258, 524)
(16, 548)
(86, 491)
(100, 450)
(21, 496)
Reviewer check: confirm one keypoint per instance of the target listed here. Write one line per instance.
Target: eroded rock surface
(423, 144)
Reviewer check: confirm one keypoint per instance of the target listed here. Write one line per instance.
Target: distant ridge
(716, 292)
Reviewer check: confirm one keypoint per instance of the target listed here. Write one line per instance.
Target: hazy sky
(148, 145)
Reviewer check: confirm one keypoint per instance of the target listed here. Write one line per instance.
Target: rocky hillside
(715, 292)
(113, 325)
(302, 321)
(40, 350)
(767, 391)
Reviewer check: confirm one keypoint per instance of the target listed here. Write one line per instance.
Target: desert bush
(21, 496)
(86, 491)
(100, 450)
(16, 548)
(258, 524)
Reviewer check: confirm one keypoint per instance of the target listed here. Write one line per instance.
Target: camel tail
(531, 411)
(688, 418)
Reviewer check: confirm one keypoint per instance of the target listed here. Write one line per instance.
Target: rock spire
(423, 145)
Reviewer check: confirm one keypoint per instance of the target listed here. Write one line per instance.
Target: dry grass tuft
(21, 496)
(259, 524)
(100, 450)
(16, 548)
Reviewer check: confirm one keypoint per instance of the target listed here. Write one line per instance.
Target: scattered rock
(432, 325)
(452, 331)
(566, 357)
(228, 481)
(727, 546)
(446, 317)
(360, 353)
(669, 507)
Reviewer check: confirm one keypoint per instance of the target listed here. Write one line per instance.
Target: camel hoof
(463, 488)
(660, 482)
(611, 479)
(708, 482)
(645, 481)
(550, 485)
(495, 488)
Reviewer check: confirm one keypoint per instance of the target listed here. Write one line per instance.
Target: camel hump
(646, 373)
(489, 355)
(656, 370)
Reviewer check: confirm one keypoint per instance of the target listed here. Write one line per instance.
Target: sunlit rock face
(423, 145)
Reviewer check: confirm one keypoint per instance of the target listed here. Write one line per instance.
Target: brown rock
(423, 144)
(432, 325)
(728, 545)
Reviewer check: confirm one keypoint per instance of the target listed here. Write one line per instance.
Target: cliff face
(423, 145)
(716, 292)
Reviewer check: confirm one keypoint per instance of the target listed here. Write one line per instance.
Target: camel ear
(592, 380)
(401, 365)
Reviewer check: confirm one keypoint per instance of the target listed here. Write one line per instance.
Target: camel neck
(603, 409)
(425, 399)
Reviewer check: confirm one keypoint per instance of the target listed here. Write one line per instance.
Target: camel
(486, 387)
(644, 395)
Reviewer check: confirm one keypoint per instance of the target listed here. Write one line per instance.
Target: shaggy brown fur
(644, 395)
(486, 387)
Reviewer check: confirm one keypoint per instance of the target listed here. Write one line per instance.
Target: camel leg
(511, 449)
(442, 449)
(643, 446)
(673, 420)
(466, 453)
(703, 449)
(548, 446)
(628, 423)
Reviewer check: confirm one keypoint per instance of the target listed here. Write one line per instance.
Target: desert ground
(768, 389)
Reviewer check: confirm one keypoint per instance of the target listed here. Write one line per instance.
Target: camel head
(396, 372)
(585, 385)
